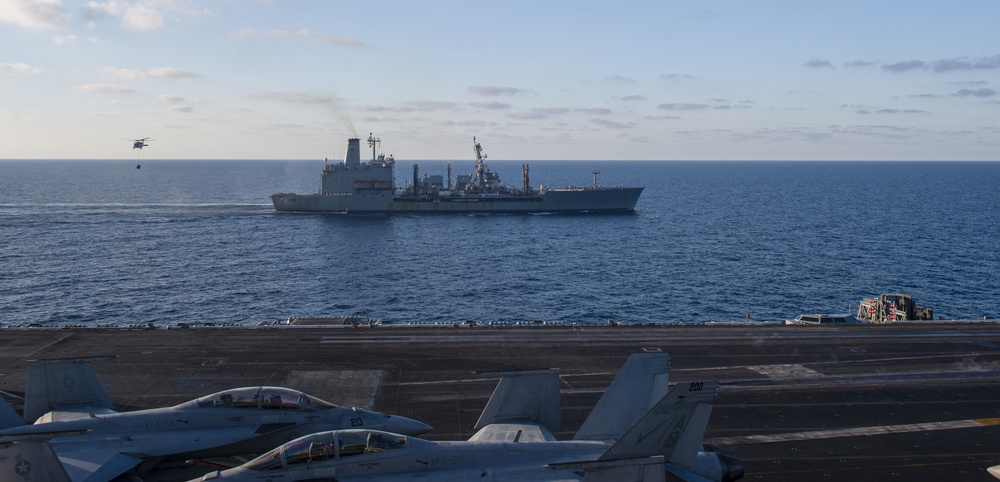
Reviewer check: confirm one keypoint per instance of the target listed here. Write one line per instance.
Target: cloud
(157, 73)
(253, 33)
(892, 111)
(859, 63)
(467, 123)
(294, 98)
(947, 65)
(338, 41)
(984, 92)
(170, 99)
(619, 79)
(818, 64)
(335, 40)
(612, 124)
(171, 73)
(412, 106)
(631, 98)
(550, 110)
(72, 40)
(19, 68)
(492, 105)
(527, 115)
(144, 15)
(43, 14)
(105, 88)
(905, 66)
(683, 106)
(675, 76)
(182, 108)
(492, 91)
(595, 111)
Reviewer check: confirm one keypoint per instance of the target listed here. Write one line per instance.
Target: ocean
(101, 243)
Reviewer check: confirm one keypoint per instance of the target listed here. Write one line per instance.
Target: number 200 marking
(696, 387)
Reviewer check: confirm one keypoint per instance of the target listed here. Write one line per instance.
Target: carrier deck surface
(846, 403)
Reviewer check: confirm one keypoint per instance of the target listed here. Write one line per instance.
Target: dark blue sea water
(101, 242)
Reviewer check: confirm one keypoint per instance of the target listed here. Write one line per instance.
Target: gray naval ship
(369, 187)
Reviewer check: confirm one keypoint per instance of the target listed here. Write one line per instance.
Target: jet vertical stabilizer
(640, 383)
(31, 460)
(525, 396)
(8, 417)
(63, 383)
(674, 427)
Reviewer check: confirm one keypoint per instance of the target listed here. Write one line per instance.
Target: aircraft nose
(405, 426)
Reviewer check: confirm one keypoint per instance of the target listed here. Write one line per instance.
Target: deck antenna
(372, 141)
(595, 172)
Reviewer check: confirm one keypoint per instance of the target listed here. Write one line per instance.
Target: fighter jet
(96, 443)
(664, 443)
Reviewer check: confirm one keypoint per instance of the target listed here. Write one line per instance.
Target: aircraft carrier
(915, 401)
(370, 187)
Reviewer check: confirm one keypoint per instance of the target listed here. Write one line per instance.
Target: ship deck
(838, 403)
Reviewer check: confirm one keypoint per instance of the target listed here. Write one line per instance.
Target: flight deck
(916, 401)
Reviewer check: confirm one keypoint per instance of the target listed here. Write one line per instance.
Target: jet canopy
(266, 398)
(322, 446)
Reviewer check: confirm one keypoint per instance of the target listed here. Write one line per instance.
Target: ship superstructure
(353, 186)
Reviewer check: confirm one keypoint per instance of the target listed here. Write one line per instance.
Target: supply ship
(353, 186)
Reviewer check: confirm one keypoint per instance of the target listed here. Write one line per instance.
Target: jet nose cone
(405, 426)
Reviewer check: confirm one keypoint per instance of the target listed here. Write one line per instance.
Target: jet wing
(87, 465)
(513, 432)
(92, 460)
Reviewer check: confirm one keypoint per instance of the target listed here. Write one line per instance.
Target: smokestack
(352, 158)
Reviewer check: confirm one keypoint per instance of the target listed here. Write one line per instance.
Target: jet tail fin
(640, 383)
(525, 396)
(30, 460)
(64, 382)
(673, 428)
(8, 417)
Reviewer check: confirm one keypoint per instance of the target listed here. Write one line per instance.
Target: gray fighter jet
(516, 443)
(95, 443)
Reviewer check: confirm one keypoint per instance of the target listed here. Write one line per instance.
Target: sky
(538, 80)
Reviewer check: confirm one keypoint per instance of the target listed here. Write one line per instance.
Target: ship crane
(480, 166)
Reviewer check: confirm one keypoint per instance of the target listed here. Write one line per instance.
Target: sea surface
(103, 243)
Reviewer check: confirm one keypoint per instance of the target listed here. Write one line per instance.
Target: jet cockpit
(322, 446)
(265, 398)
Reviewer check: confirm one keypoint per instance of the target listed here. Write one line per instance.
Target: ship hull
(555, 200)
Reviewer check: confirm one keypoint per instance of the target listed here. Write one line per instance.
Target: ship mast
(595, 172)
(372, 141)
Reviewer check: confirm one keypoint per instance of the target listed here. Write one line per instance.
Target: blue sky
(292, 79)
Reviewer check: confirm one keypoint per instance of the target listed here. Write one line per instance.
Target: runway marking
(854, 432)
(793, 370)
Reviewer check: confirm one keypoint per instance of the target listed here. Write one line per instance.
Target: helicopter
(139, 144)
